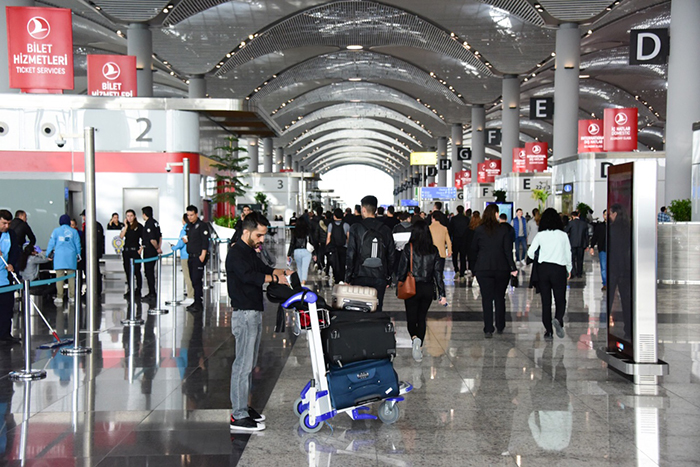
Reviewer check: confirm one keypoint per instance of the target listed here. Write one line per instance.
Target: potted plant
(261, 199)
(500, 195)
(681, 210)
(583, 210)
(228, 166)
(541, 196)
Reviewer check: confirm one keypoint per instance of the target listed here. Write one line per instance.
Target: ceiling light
(584, 76)
(554, 54)
(354, 79)
(250, 37)
(354, 47)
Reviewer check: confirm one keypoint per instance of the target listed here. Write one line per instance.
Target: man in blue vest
(520, 225)
(10, 251)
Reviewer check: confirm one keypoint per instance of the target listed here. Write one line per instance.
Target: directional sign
(440, 192)
(431, 171)
(445, 164)
(464, 154)
(493, 137)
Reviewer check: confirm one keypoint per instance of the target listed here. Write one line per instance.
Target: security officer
(152, 241)
(132, 233)
(197, 240)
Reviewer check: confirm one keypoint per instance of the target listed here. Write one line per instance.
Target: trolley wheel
(297, 406)
(306, 426)
(388, 412)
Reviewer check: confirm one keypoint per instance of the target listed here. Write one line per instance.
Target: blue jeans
(520, 241)
(246, 326)
(302, 257)
(603, 256)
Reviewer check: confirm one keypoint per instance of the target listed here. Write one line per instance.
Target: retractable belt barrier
(131, 320)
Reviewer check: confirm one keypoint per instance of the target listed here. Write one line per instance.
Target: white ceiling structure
(417, 69)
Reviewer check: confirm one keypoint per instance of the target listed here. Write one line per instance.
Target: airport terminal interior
(527, 103)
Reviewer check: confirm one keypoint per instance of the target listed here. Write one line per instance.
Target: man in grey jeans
(246, 274)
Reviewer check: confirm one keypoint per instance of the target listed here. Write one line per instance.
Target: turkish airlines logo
(594, 128)
(620, 119)
(38, 28)
(111, 71)
(521, 154)
(492, 165)
(536, 149)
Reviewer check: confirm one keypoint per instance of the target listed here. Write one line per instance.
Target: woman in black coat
(427, 271)
(493, 249)
(473, 224)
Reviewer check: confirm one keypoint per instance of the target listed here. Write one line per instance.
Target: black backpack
(338, 237)
(372, 254)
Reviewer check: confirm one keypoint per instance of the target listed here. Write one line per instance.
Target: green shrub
(681, 210)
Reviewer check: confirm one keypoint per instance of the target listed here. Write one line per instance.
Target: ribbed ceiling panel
(347, 22)
(520, 8)
(187, 8)
(333, 145)
(132, 11)
(566, 10)
(348, 135)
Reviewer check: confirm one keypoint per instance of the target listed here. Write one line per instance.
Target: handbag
(407, 288)
(514, 282)
(309, 247)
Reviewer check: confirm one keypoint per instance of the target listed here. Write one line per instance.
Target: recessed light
(354, 79)
(354, 47)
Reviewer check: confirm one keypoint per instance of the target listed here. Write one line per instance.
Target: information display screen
(504, 208)
(620, 285)
(424, 158)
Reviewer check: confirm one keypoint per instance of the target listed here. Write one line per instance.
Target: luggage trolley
(314, 406)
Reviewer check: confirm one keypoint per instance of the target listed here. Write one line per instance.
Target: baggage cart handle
(304, 296)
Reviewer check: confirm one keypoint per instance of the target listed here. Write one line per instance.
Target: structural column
(254, 161)
(4, 63)
(478, 136)
(457, 164)
(566, 91)
(288, 161)
(510, 131)
(139, 42)
(279, 160)
(442, 154)
(683, 103)
(197, 89)
(267, 155)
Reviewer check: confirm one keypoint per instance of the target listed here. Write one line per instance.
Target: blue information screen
(409, 202)
(440, 192)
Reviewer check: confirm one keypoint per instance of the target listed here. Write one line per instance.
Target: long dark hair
(301, 229)
(488, 220)
(131, 225)
(550, 220)
(24, 258)
(475, 220)
(421, 239)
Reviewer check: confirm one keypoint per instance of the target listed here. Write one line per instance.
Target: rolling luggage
(354, 298)
(362, 382)
(353, 337)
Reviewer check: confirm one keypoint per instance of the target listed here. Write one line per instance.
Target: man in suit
(577, 229)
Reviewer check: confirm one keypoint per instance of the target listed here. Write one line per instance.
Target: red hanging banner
(536, 156)
(620, 129)
(40, 49)
(481, 173)
(488, 170)
(112, 75)
(590, 136)
(463, 178)
(519, 160)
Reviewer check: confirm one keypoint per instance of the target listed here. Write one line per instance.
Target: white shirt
(554, 248)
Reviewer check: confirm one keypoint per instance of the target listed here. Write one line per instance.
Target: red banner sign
(487, 171)
(519, 160)
(463, 178)
(620, 129)
(40, 48)
(590, 136)
(112, 75)
(536, 155)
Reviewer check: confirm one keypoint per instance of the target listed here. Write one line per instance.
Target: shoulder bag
(407, 288)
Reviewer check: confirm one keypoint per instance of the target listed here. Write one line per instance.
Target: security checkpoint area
(149, 317)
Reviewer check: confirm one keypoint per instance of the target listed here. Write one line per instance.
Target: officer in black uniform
(132, 233)
(197, 240)
(152, 240)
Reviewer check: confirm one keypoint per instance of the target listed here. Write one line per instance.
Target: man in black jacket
(197, 240)
(370, 257)
(577, 229)
(600, 240)
(21, 228)
(458, 227)
(10, 252)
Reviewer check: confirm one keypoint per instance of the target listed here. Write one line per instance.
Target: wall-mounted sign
(649, 46)
(40, 49)
(431, 171)
(440, 192)
(590, 136)
(541, 108)
(445, 164)
(493, 136)
(620, 129)
(111, 75)
(487, 171)
(536, 155)
(519, 160)
(424, 158)
(464, 154)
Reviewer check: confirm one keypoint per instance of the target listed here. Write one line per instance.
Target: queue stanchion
(159, 310)
(27, 374)
(206, 285)
(131, 320)
(174, 301)
(217, 254)
(76, 349)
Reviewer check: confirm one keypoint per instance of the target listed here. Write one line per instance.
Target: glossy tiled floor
(157, 395)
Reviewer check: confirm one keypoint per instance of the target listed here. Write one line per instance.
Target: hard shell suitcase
(352, 337)
(362, 382)
(354, 298)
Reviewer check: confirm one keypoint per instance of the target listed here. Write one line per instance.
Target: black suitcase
(362, 382)
(352, 337)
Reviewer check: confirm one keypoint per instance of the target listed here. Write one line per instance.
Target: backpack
(372, 254)
(338, 238)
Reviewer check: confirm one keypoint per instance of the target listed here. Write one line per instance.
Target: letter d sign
(648, 46)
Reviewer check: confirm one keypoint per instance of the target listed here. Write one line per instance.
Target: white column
(478, 136)
(197, 89)
(511, 122)
(456, 141)
(139, 42)
(254, 162)
(267, 155)
(279, 160)
(683, 102)
(442, 154)
(4, 63)
(288, 161)
(566, 91)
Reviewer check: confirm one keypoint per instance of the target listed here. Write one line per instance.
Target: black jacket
(355, 245)
(426, 268)
(577, 230)
(22, 230)
(297, 243)
(245, 273)
(600, 237)
(493, 252)
(458, 227)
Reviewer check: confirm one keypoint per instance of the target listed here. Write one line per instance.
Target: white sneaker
(71, 300)
(58, 301)
(416, 351)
